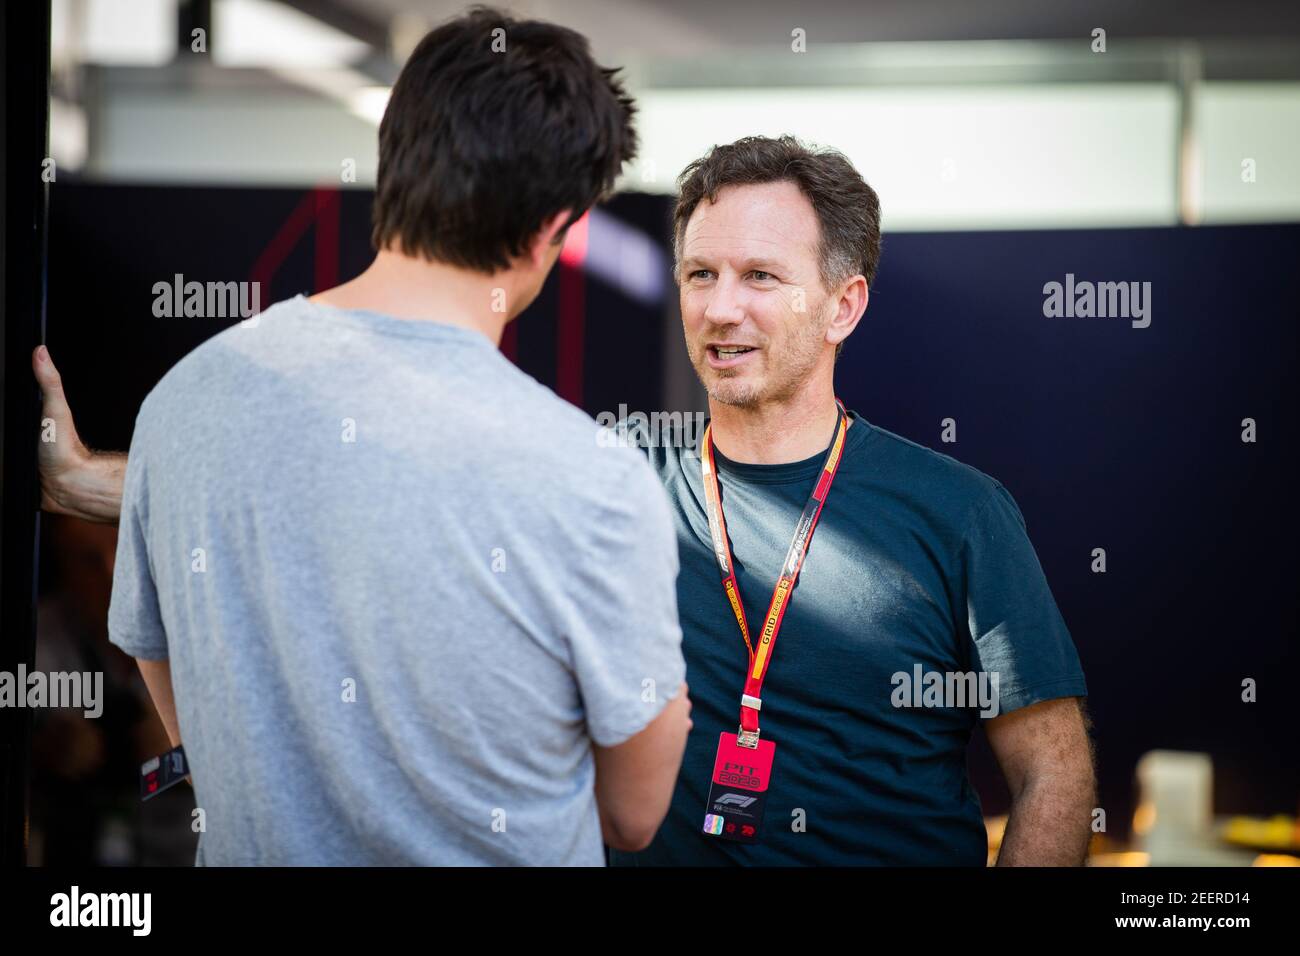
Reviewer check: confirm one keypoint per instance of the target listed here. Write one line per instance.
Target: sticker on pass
(738, 790)
(163, 772)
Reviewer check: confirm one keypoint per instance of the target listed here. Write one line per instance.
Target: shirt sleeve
(625, 637)
(134, 618)
(1015, 630)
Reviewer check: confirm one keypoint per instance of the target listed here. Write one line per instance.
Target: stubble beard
(793, 365)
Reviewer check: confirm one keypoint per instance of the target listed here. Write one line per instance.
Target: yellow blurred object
(1144, 818)
(995, 827)
(1275, 833)
(1275, 859)
(1131, 858)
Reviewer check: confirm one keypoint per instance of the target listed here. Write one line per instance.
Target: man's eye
(698, 273)
(762, 276)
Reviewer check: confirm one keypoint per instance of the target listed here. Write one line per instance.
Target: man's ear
(848, 310)
(552, 233)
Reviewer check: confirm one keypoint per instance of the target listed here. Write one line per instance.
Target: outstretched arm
(74, 480)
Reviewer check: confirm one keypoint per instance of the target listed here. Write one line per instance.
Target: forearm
(158, 678)
(1049, 823)
(92, 491)
(635, 779)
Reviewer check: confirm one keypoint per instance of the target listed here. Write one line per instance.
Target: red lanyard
(750, 700)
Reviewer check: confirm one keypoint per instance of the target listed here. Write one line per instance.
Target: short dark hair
(848, 210)
(480, 145)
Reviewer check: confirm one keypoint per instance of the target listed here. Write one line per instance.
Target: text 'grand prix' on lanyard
(760, 660)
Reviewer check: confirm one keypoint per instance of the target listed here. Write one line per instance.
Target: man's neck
(776, 433)
(413, 289)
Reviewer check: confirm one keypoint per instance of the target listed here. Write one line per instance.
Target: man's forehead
(768, 220)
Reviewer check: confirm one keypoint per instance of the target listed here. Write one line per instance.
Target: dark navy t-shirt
(918, 560)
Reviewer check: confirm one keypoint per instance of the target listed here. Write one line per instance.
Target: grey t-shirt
(402, 587)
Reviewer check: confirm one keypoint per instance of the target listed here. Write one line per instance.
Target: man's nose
(725, 306)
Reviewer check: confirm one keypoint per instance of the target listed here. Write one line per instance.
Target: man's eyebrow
(763, 264)
(746, 265)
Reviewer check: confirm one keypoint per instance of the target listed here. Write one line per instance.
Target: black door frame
(24, 126)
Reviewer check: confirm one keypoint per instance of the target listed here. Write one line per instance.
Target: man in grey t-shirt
(401, 588)
(398, 601)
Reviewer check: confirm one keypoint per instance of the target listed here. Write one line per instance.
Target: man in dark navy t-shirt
(920, 609)
(916, 559)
